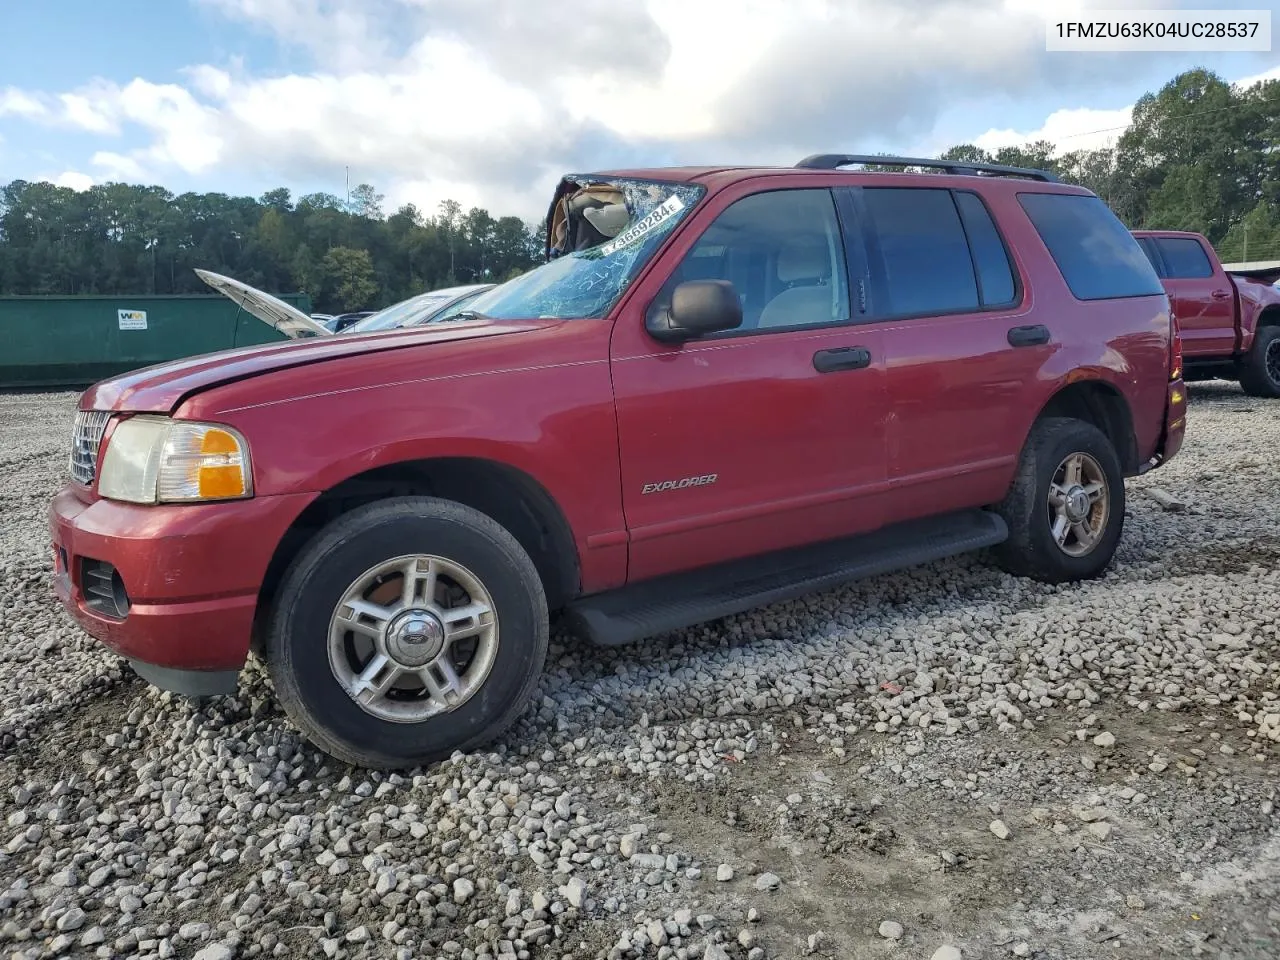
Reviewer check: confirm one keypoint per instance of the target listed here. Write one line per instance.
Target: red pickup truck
(1230, 321)
(725, 387)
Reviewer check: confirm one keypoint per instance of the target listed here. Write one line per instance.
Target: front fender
(1255, 299)
(540, 403)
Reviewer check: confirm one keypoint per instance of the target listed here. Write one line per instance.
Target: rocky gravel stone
(768, 881)
(1123, 731)
(891, 930)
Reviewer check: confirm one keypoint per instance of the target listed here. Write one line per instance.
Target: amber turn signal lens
(222, 468)
(204, 462)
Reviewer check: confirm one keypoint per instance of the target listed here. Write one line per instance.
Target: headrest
(803, 261)
(587, 216)
(609, 219)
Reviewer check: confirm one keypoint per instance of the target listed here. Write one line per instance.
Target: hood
(159, 389)
(1256, 294)
(272, 311)
(1266, 275)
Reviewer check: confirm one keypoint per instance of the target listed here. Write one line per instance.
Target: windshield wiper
(465, 315)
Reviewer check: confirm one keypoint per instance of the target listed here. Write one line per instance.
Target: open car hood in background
(272, 311)
(1261, 274)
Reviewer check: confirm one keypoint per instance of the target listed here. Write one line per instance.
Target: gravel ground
(944, 763)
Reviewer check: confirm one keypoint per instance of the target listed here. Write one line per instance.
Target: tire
(1259, 369)
(311, 652)
(1032, 549)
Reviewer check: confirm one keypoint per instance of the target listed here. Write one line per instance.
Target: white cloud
(90, 111)
(186, 130)
(1059, 9)
(210, 81)
(487, 101)
(19, 103)
(73, 179)
(1272, 74)
(342, 33)
(1073, 129)
(116, 166)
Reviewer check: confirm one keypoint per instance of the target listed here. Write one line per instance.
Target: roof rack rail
(833, 161)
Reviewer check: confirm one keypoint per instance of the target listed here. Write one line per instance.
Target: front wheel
(1065, 509)
(405, 630)
(1260, 367)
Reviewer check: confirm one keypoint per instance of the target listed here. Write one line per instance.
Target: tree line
(120, 238)
(1199, 155)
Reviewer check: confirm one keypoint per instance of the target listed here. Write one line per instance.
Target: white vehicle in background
(429, 307)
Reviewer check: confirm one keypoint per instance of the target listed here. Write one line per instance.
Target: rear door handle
(841, 358)
(1221, 294)
(1031, 336)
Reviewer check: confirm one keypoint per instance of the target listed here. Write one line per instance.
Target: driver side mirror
(698, 307)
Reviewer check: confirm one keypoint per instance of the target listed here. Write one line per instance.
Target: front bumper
(190, 574)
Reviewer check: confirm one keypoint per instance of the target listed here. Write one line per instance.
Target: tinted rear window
(1184, 258)
(1098, 257)
(927, 265)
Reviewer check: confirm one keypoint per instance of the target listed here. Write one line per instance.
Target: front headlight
(158, 460)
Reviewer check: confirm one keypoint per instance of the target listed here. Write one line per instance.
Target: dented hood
(272, 311)
(159, 389)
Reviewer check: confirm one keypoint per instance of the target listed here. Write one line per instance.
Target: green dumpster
(75, 341)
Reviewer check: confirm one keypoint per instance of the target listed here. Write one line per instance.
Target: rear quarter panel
(1121, 342)
(539, 401)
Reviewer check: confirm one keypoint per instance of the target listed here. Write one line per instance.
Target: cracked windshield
(601, 233)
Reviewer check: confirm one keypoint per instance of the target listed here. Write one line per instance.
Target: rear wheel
(1260, 367)
(406, 630)
(1065, 509)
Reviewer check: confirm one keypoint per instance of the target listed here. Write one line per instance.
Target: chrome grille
(90, 425)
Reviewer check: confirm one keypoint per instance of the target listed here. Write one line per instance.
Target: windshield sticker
(643, 227)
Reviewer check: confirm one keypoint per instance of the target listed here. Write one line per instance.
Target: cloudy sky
(489, 101)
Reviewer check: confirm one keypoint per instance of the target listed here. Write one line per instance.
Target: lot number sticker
(643, 227)
(132, 319)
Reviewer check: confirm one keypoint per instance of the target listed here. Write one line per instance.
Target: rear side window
(1098, 257)
(1184, 258)
(922, 243)
(990, 258)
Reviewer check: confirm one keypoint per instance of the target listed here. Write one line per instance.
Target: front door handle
(1031, 336)
(1221, 294)
(841, 358)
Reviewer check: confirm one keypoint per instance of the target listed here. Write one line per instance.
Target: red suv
(725, 387)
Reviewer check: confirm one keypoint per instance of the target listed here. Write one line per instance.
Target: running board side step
(682, 600)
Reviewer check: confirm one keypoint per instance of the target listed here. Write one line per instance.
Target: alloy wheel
(413, 637)
(1079, 506)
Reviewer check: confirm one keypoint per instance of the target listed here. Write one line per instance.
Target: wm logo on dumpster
(132, 319)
